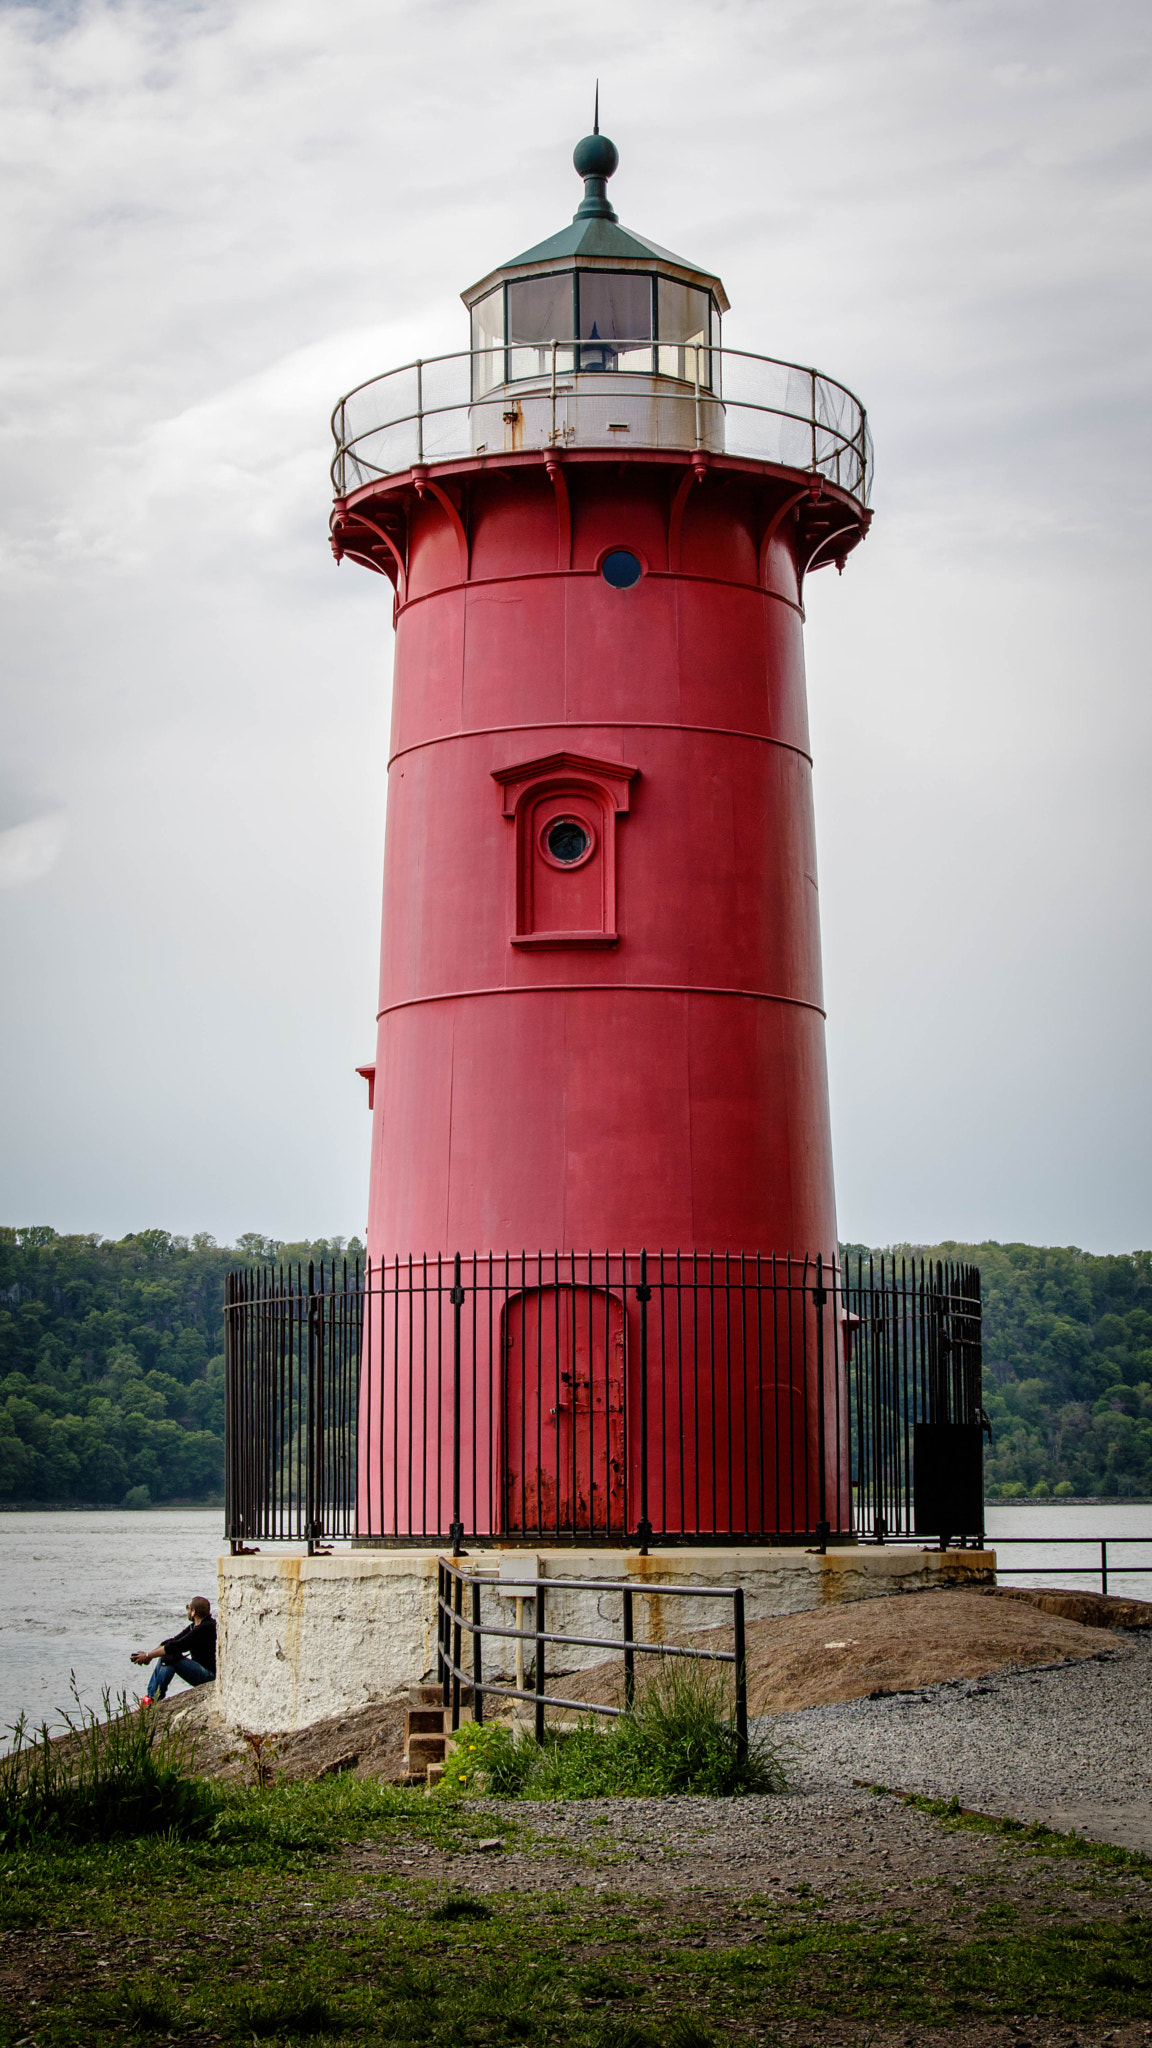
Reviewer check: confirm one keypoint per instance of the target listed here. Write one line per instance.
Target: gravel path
(1070, 1746)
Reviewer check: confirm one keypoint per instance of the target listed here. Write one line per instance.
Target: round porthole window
(621, 569)
(567, 841)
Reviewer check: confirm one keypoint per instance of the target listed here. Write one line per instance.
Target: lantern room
(591, 301)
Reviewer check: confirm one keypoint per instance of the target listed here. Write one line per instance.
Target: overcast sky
(219, 217)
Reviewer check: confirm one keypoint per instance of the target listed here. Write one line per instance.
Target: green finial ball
(595, 157)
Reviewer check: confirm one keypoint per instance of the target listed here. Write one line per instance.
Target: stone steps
(425, 1739)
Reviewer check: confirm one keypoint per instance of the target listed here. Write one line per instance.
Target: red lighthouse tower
(600, 1017)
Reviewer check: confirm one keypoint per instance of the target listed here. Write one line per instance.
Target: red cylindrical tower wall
(632, 1052)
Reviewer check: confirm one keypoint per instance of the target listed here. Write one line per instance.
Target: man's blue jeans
(180, 1667)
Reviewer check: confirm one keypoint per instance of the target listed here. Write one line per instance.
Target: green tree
(112, 1361)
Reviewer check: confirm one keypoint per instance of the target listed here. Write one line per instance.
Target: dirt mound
(1094, 1610)
(896, 1644)
(368, 1742)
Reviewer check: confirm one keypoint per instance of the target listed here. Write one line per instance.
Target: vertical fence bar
(419, 411)
(457, 1298)
(539, 1675)
(819, 1302)
(738, 1645)
(629, 1654)
(230, 1487)
(644, 1296)
(1103, 1567)
(309, 1447)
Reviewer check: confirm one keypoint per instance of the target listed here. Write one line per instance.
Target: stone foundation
(301, 1638)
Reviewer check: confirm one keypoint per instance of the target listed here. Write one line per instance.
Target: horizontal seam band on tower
(479, 732)
(552, 988)
(593, 575)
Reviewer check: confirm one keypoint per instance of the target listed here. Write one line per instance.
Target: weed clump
(679, 1737)
(287, 2011)
(462, 1908)
(126, 1774)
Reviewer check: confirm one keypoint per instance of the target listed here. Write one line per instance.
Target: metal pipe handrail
(830, 440)
(583, 341)
(452, 1624)
(1074, 1571)
(780, 412)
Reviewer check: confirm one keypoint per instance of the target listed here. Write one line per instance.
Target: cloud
(29, 852)
(225, 214)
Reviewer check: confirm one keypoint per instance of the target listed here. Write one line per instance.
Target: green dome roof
(594, 234)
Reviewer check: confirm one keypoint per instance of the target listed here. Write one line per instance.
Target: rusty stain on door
(563, 1411)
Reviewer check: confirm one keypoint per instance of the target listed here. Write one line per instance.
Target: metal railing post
(644, 1296)
(539, 1674)
(629, 1654)
(820, 1300)
(419, 410)
(477, 1658)
(699, 414)
(552, 435)
(812, 374)
(741, 1674)
(445, 1634)
(439, 1621)
(456, 1532)
(457, 1610)
(1103, 1567)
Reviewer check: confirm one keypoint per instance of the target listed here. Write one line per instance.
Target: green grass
(1032, 1833)
(122, 1773)
(679, 1738)
(272, 1924)
(253, 1965)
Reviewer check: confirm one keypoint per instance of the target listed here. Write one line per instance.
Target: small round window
(567, 841)
(621, 569)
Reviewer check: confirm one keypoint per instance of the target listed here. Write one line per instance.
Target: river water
(79, 1591)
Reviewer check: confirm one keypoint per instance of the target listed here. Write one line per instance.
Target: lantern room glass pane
(488, 334)
(539, 312)
(683, 323)
(615, 306)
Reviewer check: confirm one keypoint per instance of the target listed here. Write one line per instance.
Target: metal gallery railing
(622, 394)
(609, 1398)
(454, 1623)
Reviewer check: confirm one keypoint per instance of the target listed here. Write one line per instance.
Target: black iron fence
(605, 1398)
(454, 1622)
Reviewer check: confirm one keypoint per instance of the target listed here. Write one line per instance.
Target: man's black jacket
(197, 1641)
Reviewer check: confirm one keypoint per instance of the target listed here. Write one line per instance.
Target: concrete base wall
(304, 1637)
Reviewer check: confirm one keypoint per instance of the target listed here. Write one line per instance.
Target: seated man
(191, 1655)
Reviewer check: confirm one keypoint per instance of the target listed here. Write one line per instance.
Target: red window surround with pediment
(564, 808)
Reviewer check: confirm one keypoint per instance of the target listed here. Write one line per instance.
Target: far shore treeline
(112, 1365)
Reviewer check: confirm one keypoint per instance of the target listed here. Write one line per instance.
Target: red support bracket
(553, 464)
(426, 487)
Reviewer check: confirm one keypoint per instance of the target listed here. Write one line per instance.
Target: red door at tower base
(563, 1450)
